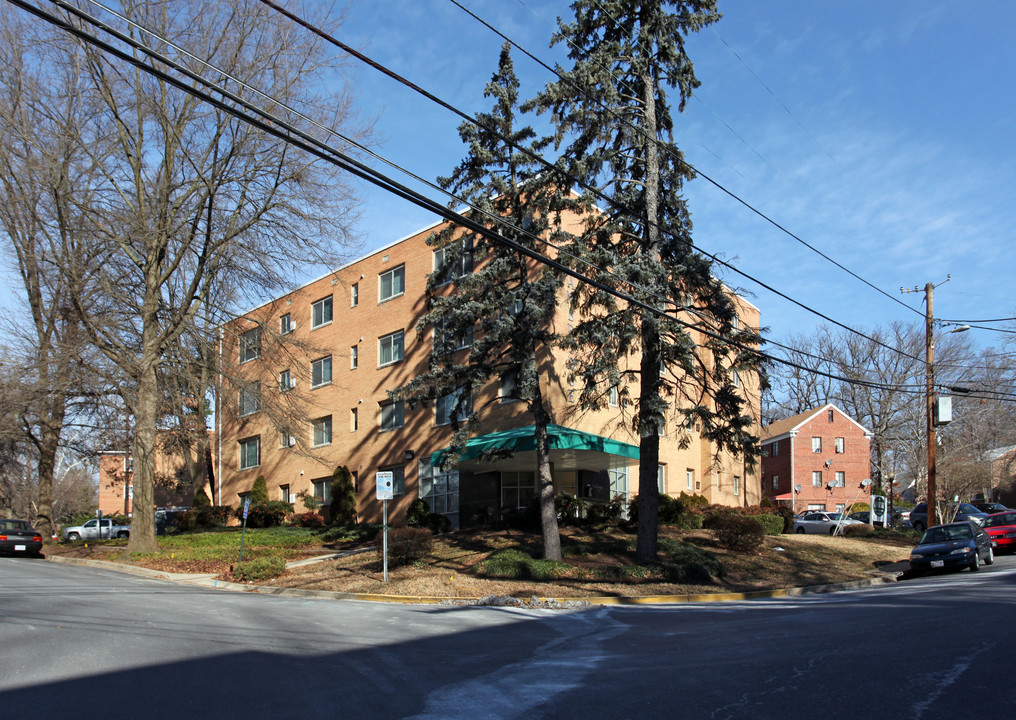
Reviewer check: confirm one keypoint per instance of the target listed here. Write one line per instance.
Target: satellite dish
(828, 462)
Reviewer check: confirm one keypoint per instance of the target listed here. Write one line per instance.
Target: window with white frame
(840, 507)
(392, 283)
(518, 489)
(285, 324)
(250, 398)
(816, 506)
(391, 349)
(284, 493)
(321, 371)
(354, 357)
(612, 396)
(440, 489)
(832, 416)
(689, 480)
(453, 261)
(816, 478)
(323, 431)
(508, 387)
(354, 295)
(735, 378)
(286, 381)
(393, 414)
(737, 485)
(354, 420)
(250, 345)
(448, 407)
(816, 444)
(323, 491)
(285, 438)
(321, 312)
(776, 483)
(661, 478)
(618, 479)
(250, 452)
(839, 445)
(841, 479)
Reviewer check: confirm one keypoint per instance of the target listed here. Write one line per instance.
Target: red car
(1002, 529)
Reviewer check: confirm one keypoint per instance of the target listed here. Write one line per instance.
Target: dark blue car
(956, 545)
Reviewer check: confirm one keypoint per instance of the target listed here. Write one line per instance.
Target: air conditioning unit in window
(292, 384)
(292, 325)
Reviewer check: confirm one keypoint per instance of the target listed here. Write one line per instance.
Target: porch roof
(515, 449)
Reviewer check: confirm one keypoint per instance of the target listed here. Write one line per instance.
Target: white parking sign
(385, 485)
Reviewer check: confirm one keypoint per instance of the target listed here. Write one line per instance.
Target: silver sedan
(822, 523)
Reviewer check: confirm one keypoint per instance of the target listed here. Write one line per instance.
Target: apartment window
(323, 431)
(391, 349)
(321, 372)
(816, 444)
(448, 340)
(354, 357)
(776, 448)
(393, 415)
(508, 387)
(285, 381)
(250, 452)
(354, 295)
(831, 416)
(321, 312)
(354, 420)
(323, 491)
(839, 445)
(448, 408)
(518, 489)
(453, 261)
(356, 480)
(841, 479)
(285, 439)
(816, 478)
(285, 325)
(398, 479)
(735, 378)
(618, 482)
(284, 493)
(440, 489)
(689, 479)
(661, 478)
(392, 283)
(250, 398)
(737, 485)
(612, 396)
(250, 345)
(776, 483)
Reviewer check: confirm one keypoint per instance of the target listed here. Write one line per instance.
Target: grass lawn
(487, 562)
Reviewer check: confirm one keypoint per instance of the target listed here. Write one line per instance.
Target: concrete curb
(212, 581)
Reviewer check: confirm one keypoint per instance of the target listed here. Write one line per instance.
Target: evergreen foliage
(614, 127)
(343, 502)
(201, 498)
(259, 491)
(495, 322)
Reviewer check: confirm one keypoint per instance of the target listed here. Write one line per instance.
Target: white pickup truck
(92, 530)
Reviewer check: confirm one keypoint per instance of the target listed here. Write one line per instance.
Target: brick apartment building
(305, 389)
(823, 452)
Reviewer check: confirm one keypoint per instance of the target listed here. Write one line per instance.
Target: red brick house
(816, 460)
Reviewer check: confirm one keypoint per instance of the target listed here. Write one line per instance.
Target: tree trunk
(545, 480)
(142, 538)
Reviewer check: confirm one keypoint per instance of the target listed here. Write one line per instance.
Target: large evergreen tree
(614, 126)
(503, 309)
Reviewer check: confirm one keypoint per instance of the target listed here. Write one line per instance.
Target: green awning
(568, 447)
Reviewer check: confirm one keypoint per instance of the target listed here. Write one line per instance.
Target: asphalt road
(80, 641)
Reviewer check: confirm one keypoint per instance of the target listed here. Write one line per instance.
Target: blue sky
(881, 133)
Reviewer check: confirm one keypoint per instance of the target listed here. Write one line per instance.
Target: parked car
(1001, 528)
(958, 544)
(862, 516)
(18, 537)
(822, 523)
(990, 507)
(963, 512)
(91, 530)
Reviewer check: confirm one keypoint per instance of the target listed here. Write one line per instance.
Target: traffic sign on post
(385, 485)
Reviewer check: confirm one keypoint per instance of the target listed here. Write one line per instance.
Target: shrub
(607, 514)
(737, 532)
(772, 524)
(515, 564)
(201, 498)
(361, 532)
(343, 503)
(262, 568)
(309, 501)
(309, 519)
(259, 491)
(203, 518)
(419, 515)
(696, 502)
(687, 562)
(569, 509)
(265, 515)
(788, 517)
(406, 544)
